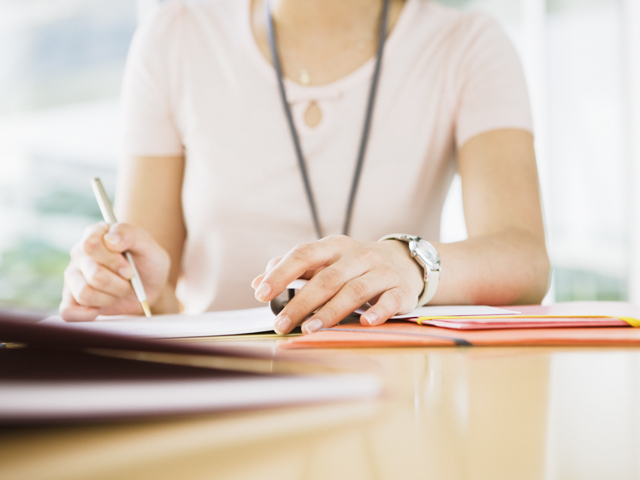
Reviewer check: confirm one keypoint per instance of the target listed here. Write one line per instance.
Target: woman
(211, 185)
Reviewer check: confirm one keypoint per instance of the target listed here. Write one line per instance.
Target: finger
(123, 237)
(272, 263)
(308, 275)
(84, 294)
(99, 228)
(304, 257)
(71, 311)
(351, 296)
(317, 292)
(389, 304)
(256, 281)
(103, 279)
(150, 257)
(94, 246)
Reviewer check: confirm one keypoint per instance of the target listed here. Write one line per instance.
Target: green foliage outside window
(32, 275)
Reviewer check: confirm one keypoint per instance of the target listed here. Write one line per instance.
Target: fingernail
(371, 318)
(282, 325)
(112, 238)
(263, 291)
(126, 273)
(254, 283)
(313, 325)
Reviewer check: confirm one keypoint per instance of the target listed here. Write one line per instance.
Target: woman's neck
(321, 41)
(326, 18)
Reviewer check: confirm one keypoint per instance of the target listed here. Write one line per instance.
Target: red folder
(400, 333)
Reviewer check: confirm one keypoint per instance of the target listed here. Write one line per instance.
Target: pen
(110, 218)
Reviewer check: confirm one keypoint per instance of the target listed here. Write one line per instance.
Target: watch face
(428, 253)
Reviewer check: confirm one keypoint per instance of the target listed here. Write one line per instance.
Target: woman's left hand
(343, 274)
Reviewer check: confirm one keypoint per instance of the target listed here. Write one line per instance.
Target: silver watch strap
(431, 277)
(430, 288)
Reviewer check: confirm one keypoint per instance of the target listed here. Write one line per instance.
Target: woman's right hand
(96, 282)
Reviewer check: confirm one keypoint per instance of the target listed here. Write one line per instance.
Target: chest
(240, 153)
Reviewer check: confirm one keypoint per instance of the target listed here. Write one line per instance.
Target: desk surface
(466, 413)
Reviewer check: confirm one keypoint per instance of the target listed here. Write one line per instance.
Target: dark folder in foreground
(53, 379)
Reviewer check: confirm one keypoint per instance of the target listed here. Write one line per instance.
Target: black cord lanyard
(365, 130)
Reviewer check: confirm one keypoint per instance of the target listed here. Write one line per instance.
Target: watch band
(431, 272)
(430, 288)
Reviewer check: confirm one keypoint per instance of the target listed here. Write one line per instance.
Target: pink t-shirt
(197, 84)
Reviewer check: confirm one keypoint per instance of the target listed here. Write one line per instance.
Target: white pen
(110, 218)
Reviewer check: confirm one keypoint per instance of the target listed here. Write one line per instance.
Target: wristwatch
(427, 257)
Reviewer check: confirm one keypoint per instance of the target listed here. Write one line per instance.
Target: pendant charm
(305, 78)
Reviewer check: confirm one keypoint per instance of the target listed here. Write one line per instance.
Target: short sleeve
(148, 113)
(492, 91)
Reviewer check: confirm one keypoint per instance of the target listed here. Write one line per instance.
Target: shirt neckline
(297, 92)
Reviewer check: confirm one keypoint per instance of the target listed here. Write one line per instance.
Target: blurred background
(61, 63)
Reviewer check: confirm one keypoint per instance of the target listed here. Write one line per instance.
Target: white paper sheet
(210, 324)
(235, 322)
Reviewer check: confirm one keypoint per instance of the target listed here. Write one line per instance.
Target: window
(577, 56)
(61, 64)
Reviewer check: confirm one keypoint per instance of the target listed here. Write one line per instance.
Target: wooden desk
(494, 413)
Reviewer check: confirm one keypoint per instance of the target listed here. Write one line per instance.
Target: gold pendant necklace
(305, 78)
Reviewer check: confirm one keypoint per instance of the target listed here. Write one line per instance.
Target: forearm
(510, 267)
(149, 196)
